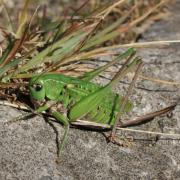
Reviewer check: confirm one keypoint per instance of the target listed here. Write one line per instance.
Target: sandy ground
(28, 148)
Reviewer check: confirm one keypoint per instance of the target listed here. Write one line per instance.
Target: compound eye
(37, 87)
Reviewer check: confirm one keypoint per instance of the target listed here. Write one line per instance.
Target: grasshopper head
(36, 88)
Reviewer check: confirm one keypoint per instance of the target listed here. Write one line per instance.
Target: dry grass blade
(150, 132)
(107, 11)
(23, 19)
(160, 81)
(7, 17)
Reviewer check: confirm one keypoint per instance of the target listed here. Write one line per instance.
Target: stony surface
(28, 148)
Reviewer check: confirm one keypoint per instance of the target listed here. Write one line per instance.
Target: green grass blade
(6, 52)
(100, 36)
(58, 50)
(9, 66)
(90, 75)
